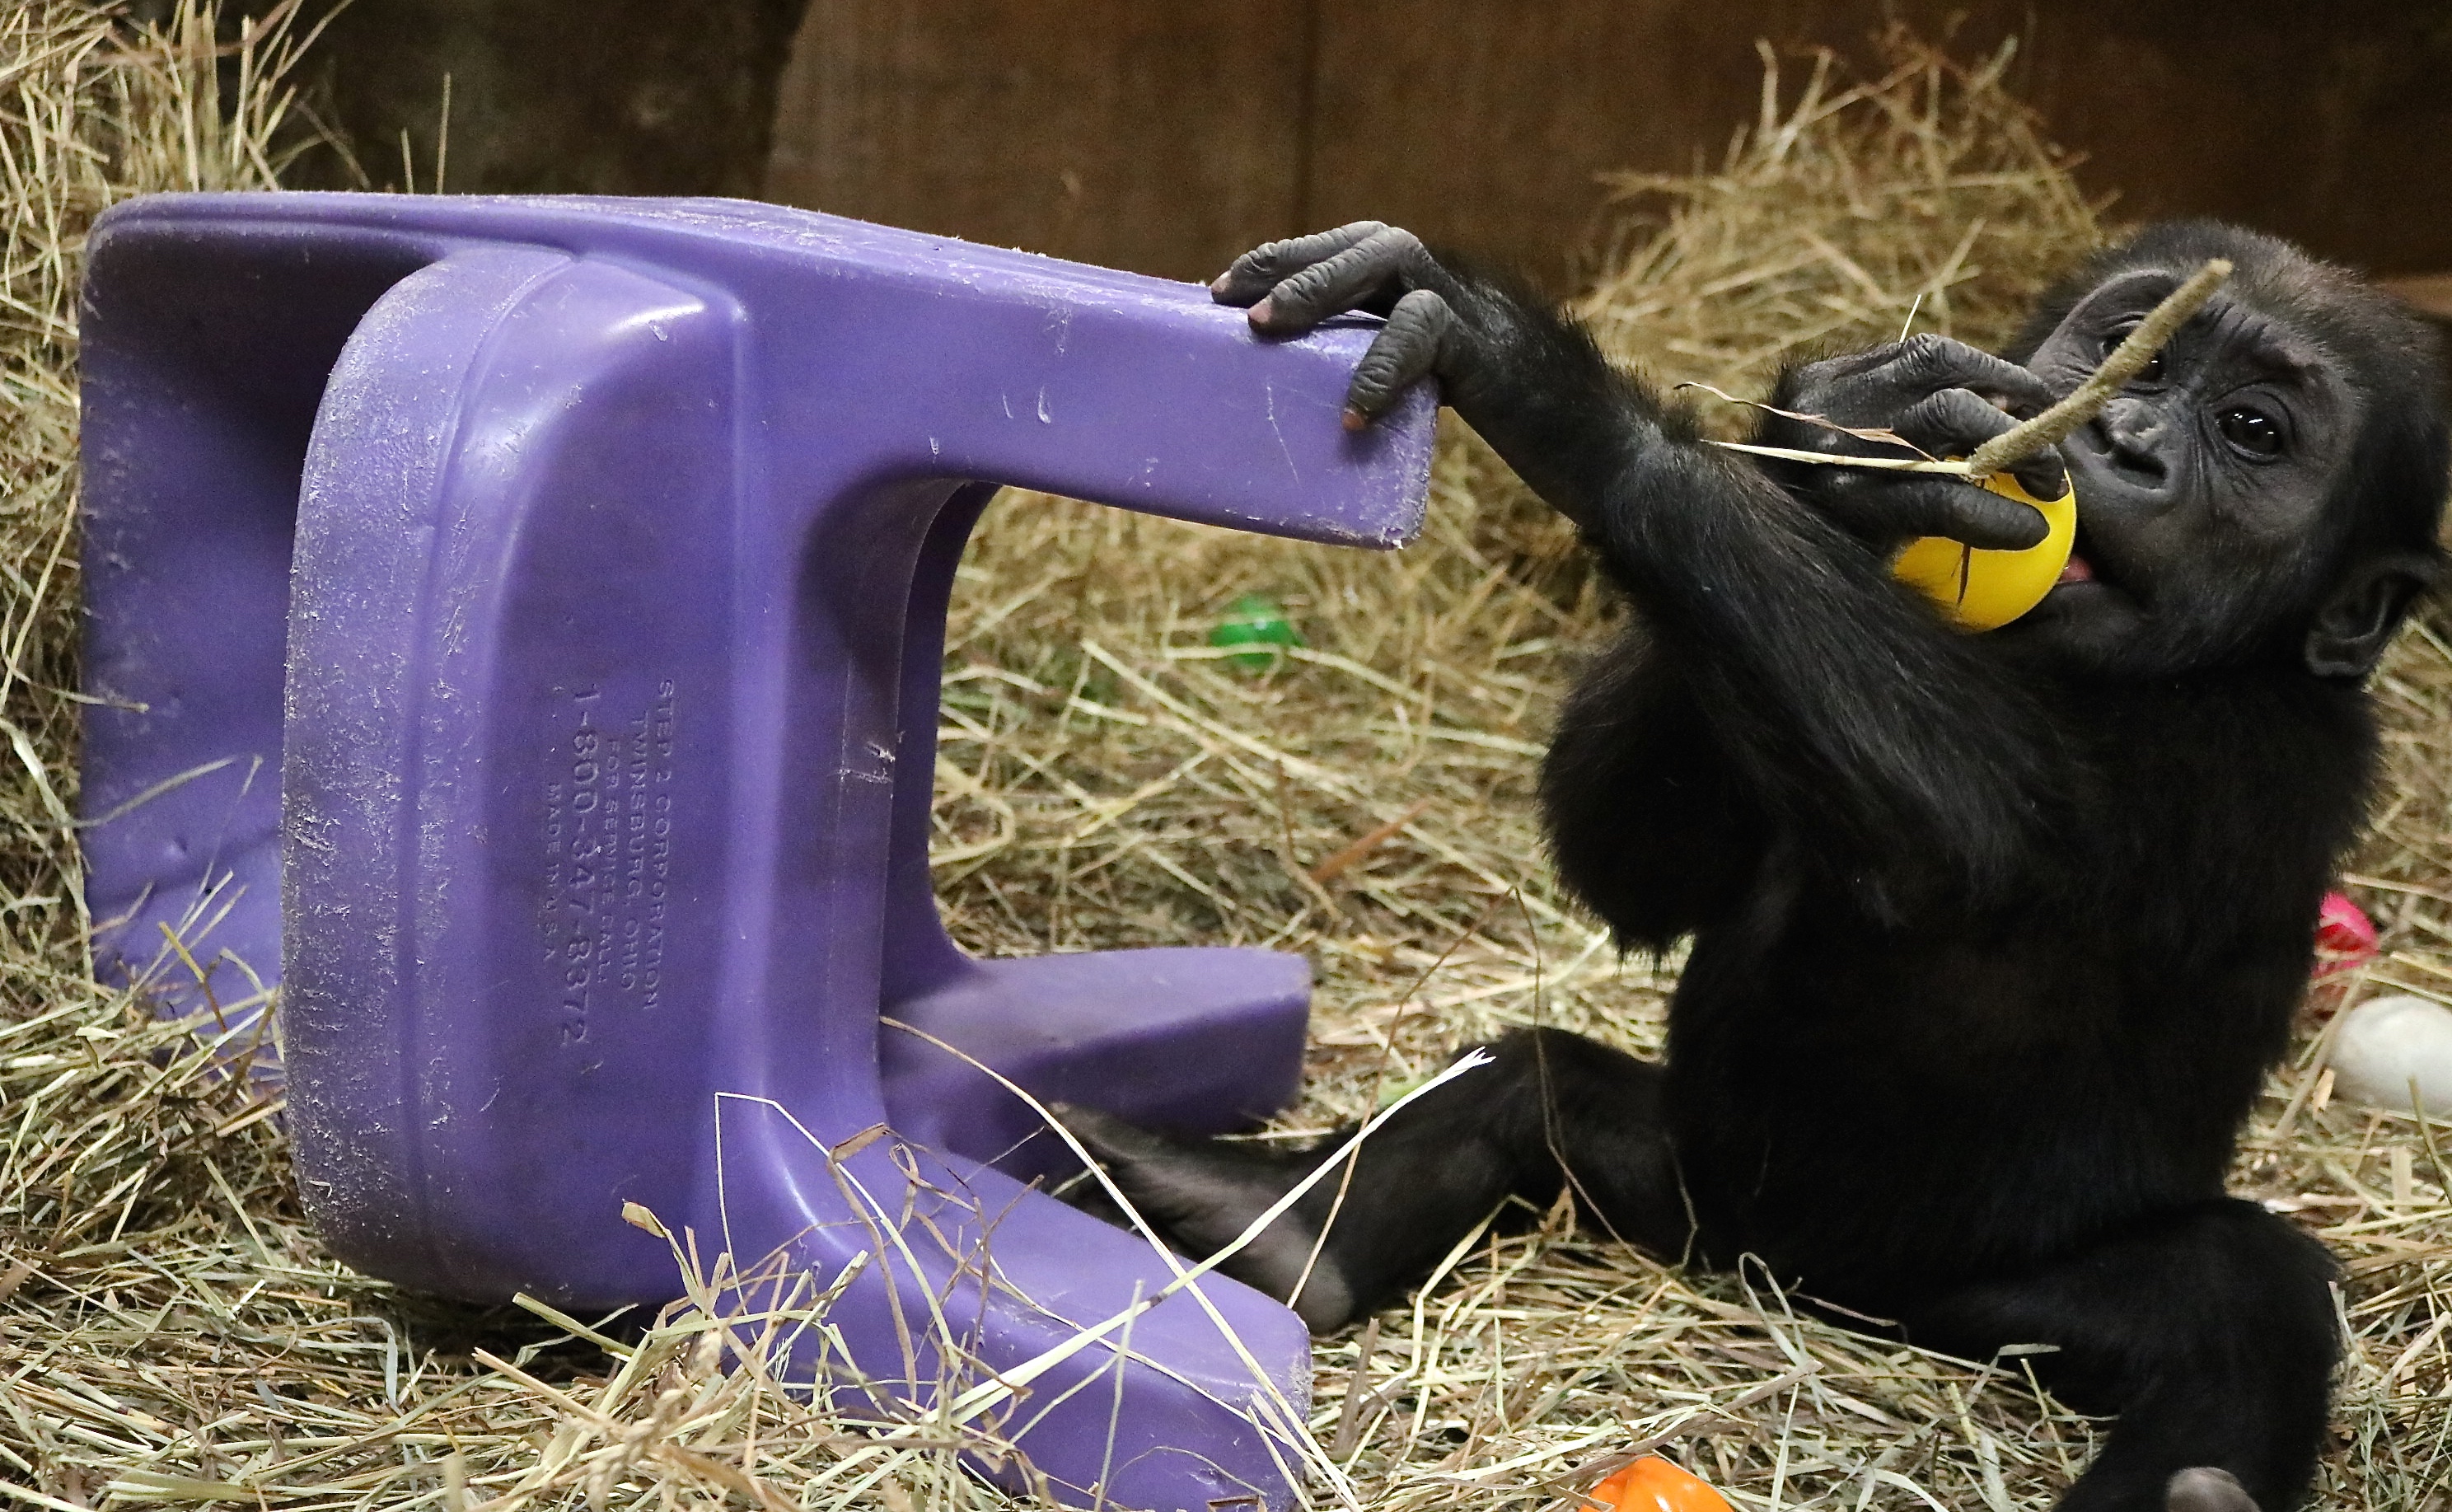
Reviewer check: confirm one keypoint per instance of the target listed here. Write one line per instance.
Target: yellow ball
(1984, 591)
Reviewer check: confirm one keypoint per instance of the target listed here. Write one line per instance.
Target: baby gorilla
(1994, 936)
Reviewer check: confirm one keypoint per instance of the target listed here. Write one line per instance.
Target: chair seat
(1190, 1040)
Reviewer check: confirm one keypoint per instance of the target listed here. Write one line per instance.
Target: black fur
(1995, 937)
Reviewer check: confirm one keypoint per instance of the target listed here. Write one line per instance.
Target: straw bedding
(171, 1332)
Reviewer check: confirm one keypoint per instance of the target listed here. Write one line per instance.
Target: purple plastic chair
(580, 566)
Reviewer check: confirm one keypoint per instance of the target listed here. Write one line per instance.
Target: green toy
(1260, 621)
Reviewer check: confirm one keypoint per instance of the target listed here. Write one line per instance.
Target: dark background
(1166, 136)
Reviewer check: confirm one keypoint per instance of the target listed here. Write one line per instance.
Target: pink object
(2345, 937)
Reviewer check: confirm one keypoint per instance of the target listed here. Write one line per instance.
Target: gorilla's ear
(2356, 623)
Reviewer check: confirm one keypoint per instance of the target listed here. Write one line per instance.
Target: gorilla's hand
(1292, 285)
(1939, 396)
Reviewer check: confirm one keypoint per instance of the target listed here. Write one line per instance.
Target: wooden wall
(1165, 135)
(547, 96)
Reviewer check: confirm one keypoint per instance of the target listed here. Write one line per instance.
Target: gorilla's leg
(2209, 1329)
(1551, 1104)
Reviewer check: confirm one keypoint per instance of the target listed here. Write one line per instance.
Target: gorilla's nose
(2132, 436)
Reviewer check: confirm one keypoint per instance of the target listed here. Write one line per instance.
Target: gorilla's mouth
(2083, 561)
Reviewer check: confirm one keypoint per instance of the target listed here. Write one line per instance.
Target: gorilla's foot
(1202, 1197)
(2203, 1488)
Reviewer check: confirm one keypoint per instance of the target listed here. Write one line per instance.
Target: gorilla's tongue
(2077, 570)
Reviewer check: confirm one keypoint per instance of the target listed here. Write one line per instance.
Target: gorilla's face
(2201, 487)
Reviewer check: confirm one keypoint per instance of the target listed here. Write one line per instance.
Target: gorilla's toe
(1109, 1138)
(2203, 1488)
(1202, 1197)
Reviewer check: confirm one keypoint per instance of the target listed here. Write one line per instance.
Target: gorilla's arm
(1847, 712)
(1645, 824)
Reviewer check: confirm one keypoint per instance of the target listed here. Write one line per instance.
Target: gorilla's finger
(1264, 268)
(2043, 475)
(1944, 506)
(1404, 353)
(1954, 421)
(1928, 362)
(1950, 423)
(1373, 267)
(1984, 519)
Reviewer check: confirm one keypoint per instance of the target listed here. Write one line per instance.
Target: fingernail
(1259, 315)
(1218, 285)
(1355, 419)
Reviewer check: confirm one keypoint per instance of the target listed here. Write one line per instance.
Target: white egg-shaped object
(2386, 1042)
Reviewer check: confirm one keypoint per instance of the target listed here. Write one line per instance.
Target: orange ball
(1652, 1485)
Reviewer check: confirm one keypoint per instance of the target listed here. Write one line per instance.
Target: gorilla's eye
(2252, 432)
(2151, 373)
